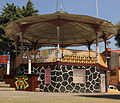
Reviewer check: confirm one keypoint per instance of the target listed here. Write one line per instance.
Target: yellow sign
(44, 53)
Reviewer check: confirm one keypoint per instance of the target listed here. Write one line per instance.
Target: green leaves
(117, 37)
(11, 12)
(29, 10)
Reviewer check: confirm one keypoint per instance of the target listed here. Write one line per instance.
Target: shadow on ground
(107, 96)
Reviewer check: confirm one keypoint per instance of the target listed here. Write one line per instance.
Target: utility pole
(97, 8)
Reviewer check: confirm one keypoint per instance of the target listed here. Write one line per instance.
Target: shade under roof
(75, 30)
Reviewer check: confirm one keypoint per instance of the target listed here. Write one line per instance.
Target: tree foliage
(9, 13)
(28, 10)
(117, 37)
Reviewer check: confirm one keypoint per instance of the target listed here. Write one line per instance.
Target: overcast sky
(108, 9)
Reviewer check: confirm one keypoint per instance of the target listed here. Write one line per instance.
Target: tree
(117, 37)
(10, 13)
(28, 10)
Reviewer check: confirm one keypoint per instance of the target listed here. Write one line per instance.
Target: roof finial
(57, 5)
(61, 9)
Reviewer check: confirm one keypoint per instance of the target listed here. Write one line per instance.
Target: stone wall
(62, 79)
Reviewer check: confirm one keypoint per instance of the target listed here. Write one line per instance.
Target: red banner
(4, 59)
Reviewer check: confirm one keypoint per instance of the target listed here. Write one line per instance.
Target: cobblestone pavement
(40, 97)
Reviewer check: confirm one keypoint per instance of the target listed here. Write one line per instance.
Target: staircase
(5, 87)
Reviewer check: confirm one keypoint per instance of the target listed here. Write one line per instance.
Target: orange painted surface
(119, 75)
(102, 60)
(114, 80)
(112, 91)
(116, 51)
(108, 49)
(119, 60)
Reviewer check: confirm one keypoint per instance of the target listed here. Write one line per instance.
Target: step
(7, 89)
(4, 85)
(37, 89)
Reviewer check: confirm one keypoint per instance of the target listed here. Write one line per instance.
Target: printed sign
(4, 59)
(47, 76)
(44, 53)
(79, 76)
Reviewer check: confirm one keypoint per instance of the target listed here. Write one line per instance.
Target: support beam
(8, 68)
(35, 44)
(16, 47)
(16, 44)
(97, 47)
(21, 37)
(58, 43)
(29, 66)
(89, 45)
(105, 42)
(104, 37)
(107, 72)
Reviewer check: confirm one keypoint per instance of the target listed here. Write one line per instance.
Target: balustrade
(66, 55)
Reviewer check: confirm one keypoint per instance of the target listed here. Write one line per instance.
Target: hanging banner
(4, 59)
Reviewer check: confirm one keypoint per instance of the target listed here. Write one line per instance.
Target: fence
(65, 55)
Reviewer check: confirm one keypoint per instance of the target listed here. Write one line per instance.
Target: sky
(107, 10)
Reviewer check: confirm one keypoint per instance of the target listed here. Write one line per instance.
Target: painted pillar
(58, 43)
(16, 53)
(29, 66)
(16, 47)
(97, 47)
(21, 48)
(89, 45)
(107, 80)
(35, 44)
(107, 72)
(106, 51)
(8, 68)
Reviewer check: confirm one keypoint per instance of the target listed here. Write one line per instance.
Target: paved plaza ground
(40, 97)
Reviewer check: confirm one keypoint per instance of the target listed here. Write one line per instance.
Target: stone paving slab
(41, 97)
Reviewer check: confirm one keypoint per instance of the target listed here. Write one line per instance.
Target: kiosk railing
(65, 55)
